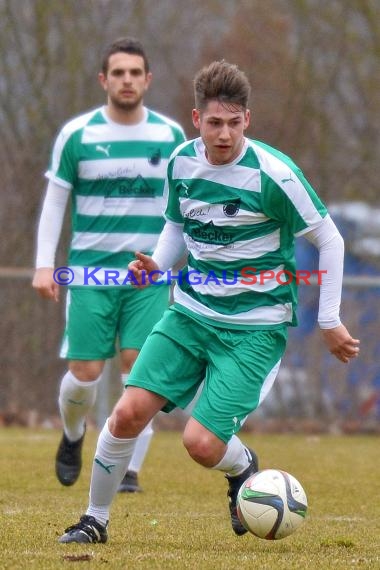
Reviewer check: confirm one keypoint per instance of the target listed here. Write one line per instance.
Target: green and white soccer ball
(271, 504)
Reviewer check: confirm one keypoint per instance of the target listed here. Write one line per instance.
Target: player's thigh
(166, 365)
(91, 324)
(140, 310)
(241, 371)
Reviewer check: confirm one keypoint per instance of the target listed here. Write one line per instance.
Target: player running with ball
(256, 201)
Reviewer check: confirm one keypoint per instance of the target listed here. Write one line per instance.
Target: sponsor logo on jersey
(210, 233)
(129, 188)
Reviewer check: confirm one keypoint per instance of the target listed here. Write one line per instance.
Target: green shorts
(238, 369)
(96, 318)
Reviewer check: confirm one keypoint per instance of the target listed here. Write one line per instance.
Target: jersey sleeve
(289, 198)
(63, 168)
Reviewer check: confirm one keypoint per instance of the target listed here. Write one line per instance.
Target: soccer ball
(271, 504)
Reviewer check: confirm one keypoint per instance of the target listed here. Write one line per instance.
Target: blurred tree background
(314, 69)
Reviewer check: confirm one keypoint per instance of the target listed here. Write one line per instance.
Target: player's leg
(140, 451)
(135, 408)
(235, 459)
(141, 310)
(130, 482)
(76, 399)
(150, 388)
(241, 371)
(88, 341)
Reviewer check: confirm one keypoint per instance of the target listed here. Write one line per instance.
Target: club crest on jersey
(155, 157)
(230, 209)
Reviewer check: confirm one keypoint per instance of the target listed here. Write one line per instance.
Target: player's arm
(327, 239)
(169, 249)
(49, 231)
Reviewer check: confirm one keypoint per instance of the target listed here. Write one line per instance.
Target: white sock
(141, 448)
(236, 459)
(110, 464)
(75, 400)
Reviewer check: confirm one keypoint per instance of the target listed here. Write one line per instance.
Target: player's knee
(128, 358)
(199, 447)
(86, 370)
(126, 421)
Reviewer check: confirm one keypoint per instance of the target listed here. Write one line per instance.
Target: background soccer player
(111, 162)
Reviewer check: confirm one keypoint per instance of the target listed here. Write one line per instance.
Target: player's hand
(43, 282)
(143, 268)
(340, 343)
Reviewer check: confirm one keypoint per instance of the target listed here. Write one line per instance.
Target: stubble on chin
(126, 105)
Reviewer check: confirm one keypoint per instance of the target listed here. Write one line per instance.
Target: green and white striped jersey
(240, 221)
(116, 174)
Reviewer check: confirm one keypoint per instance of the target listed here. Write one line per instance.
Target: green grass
(181, 520)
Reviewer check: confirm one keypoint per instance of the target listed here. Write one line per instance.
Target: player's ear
(247, 118)
(148, 80)
(196, 116)
(102, 80)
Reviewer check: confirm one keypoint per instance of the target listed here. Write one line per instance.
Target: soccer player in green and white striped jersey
(112, 163)
(236, 206)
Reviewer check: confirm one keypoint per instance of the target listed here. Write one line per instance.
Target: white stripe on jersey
(99, 206)
(244, 249)
(114, 242)
(242, 177)
(152, 132)
(224, 290)
(113, 168)
(267, 315)
(206, 212)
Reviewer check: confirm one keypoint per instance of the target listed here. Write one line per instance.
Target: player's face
(126, 81)
(222, 127)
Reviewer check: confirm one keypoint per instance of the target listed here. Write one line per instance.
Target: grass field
(181, 520)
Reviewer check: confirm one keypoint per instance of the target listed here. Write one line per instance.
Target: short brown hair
(125, 45)
(222, 81)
